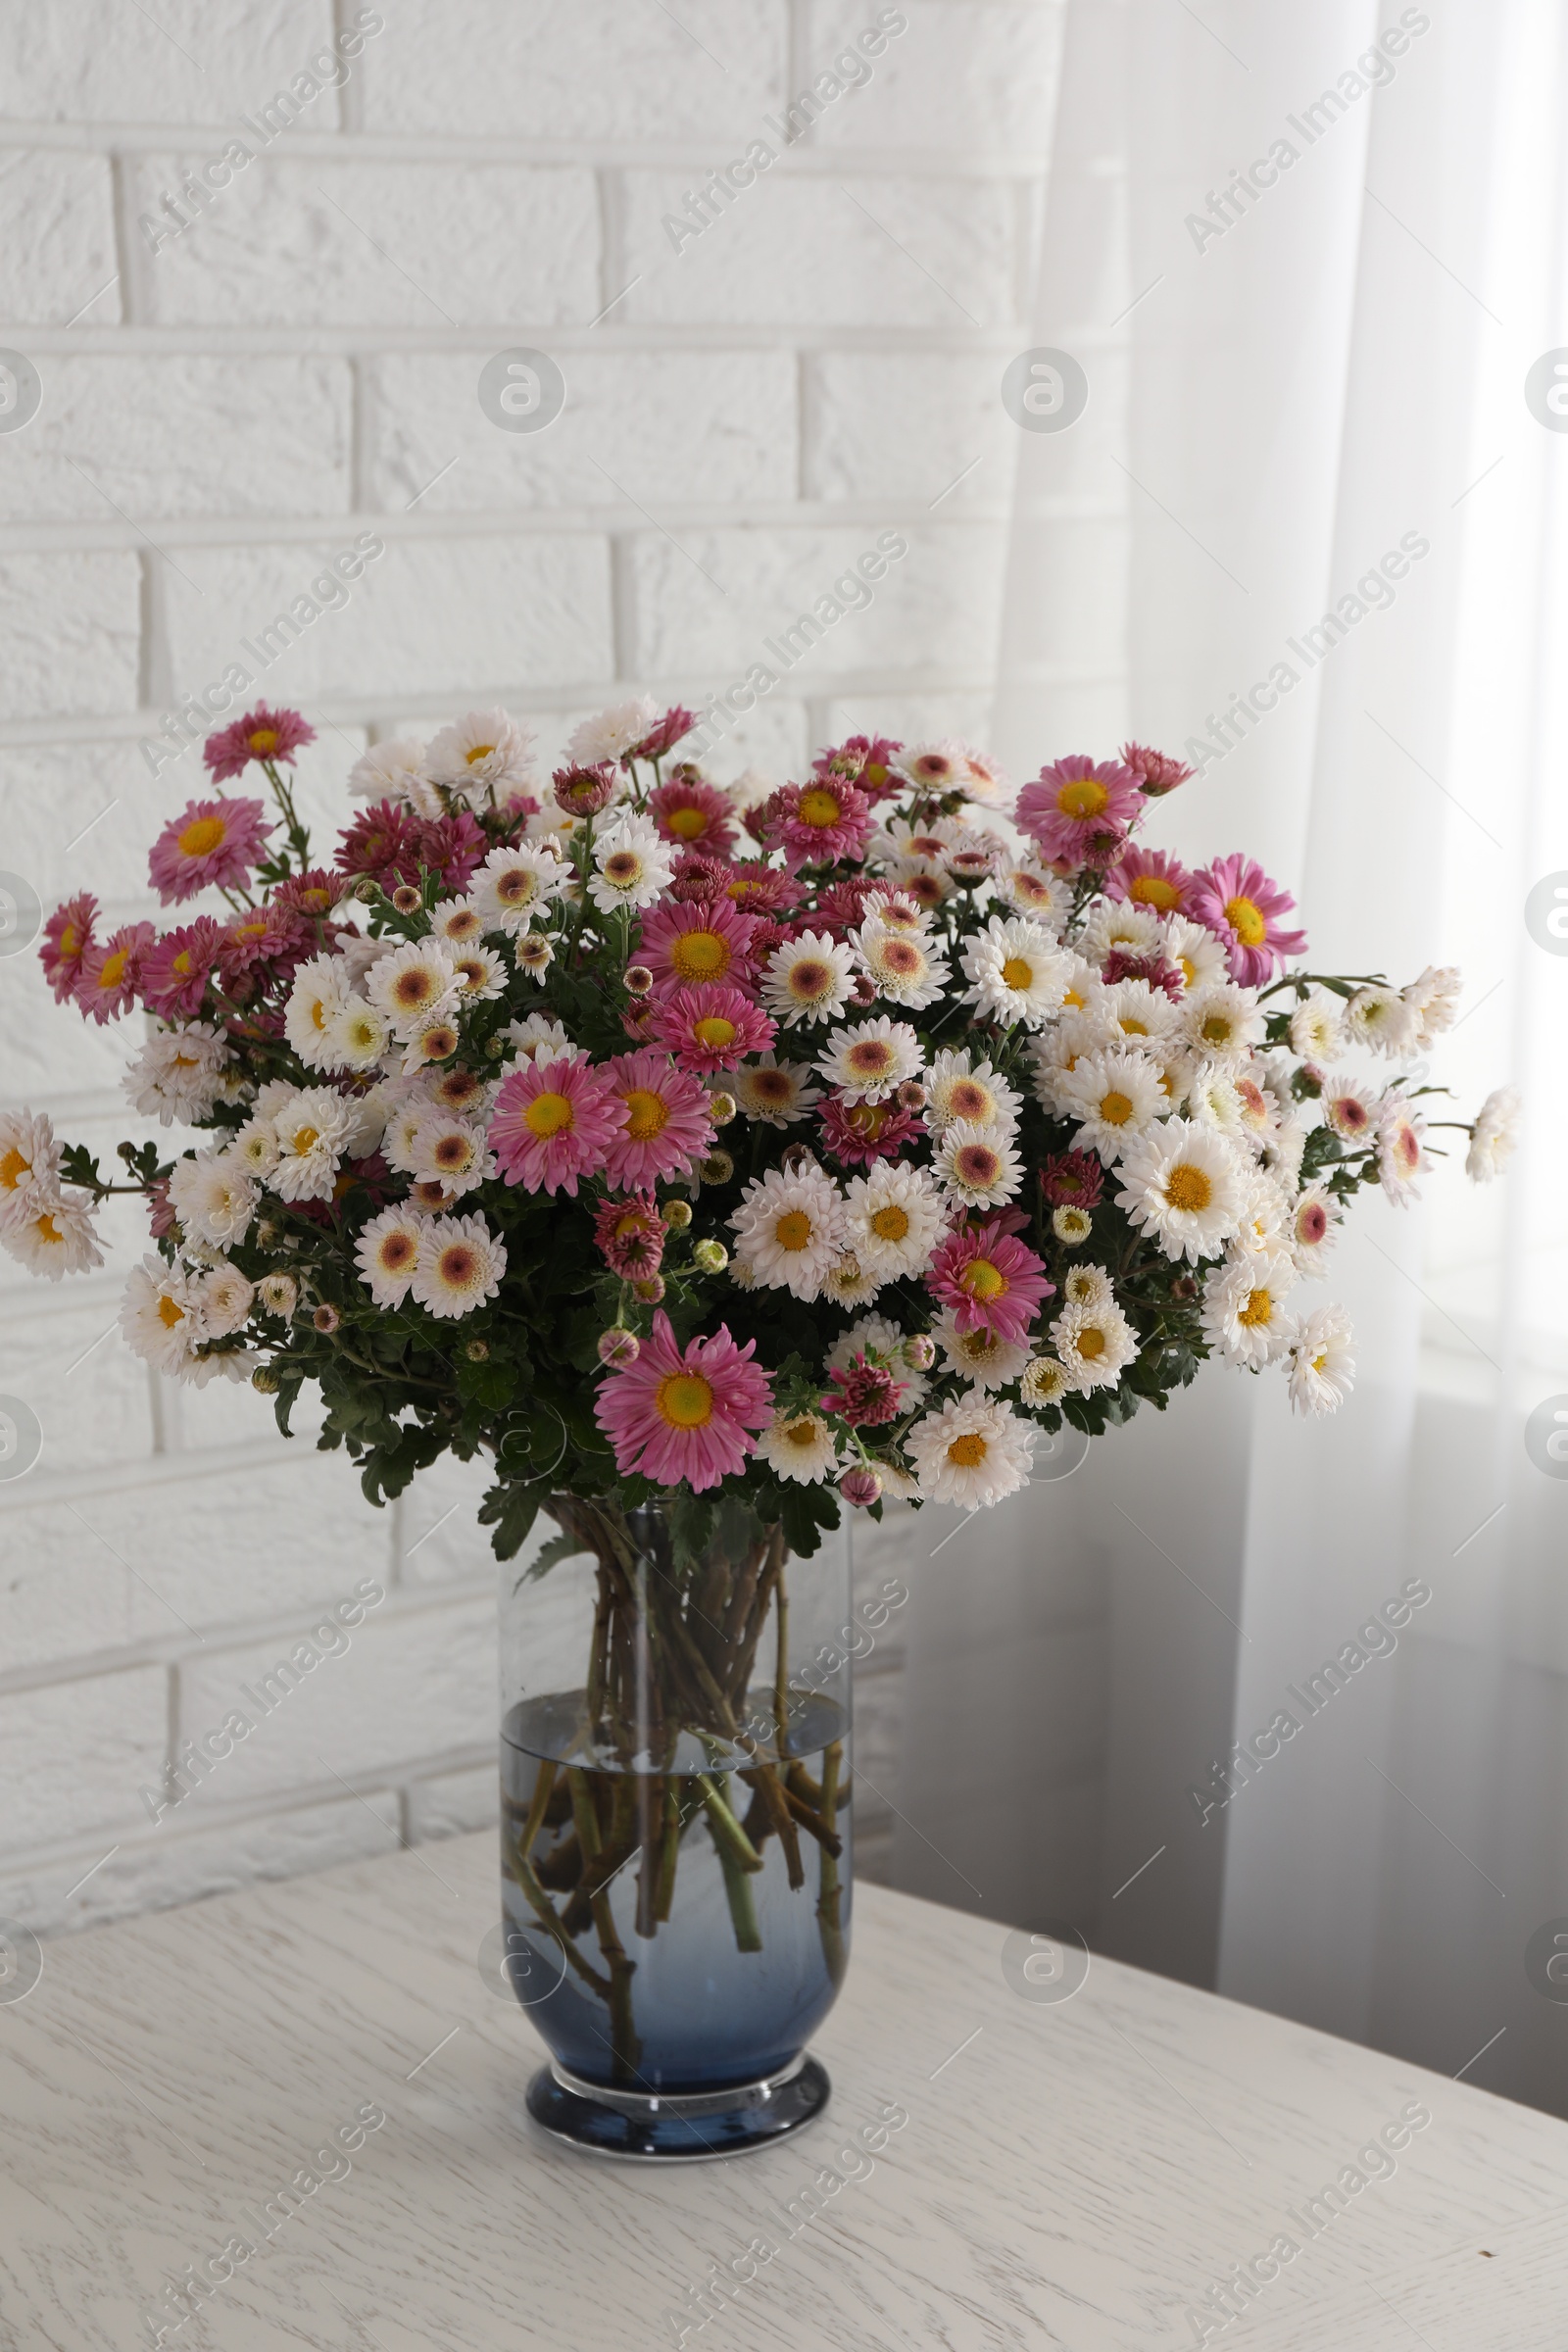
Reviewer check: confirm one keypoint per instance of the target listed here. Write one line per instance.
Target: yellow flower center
(203, 837)
(714, 1031)
(1090, 1343)
(792, 1230)
(1258, 1313)
(71, 941)
(1084, 798)
(801, 1434)
(169, 1311)
(890, 1224)
(982, 1280)
(547, 1115)
(622, 868)
(870, 1059)
(1018, 972)
(1187, 969)
(819, 807)
(181, 963)
(114, 969)
(647, 1114)
(1188, 1187)
(1216, 1030)
(1132, 1026)
(263, 742)
(969, 1451)
(1115, 1108)
(1153, 889)
(13, 1168)
(304, 1137)
(699, 955)
(687, 823)
(685, 1400)
(808, 979)
(481, 750)
(46, 1229)
(1246, 919)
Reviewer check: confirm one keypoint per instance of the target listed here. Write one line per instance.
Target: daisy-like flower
(387, 1253)
(609, 734)
(1184, 1184)
(1401, 1157)
(396, 771)
(1034, 890)
(1079, 810)
(922, 879)
(68, 936)
(881, 1342)
(553, 1122)
(1093, 1343)
(312, 1133)
(978, 1165)
(1494, 1136)
(176, 968)
(483, 757)
(685, 944)
(480, 974)
(789, 1229)
(110, 974)
(1243, 1314)
(459, 1267)
(320, 992)
(893, 1220)
(1071, 1226)
(51, 1235)
(1016, 971)
(972, 1452)
(1351, 1114)
(632, 865)
(902, 967)
(1045, 1382)
(981, 1355)
(1265, 1218)
(708, 1028)
(357, 1037)
(539, 1038)
(1321, 1366)
(866, 1392)
(1114, 1096)
(214, 1197)
(413, 983)
(1088, 1286)
(1157, 772)
(159, 1314)
(989, 1279)
(820, 823)
(279, 1294)
(450, 1151)
(1434, 998)
(848, 1282)
(1317, 1029)
(808, 979)
(870, 1060)
(1123, 927)
(513, 885)
(29, 1162)
(255, 1147)
(1196, 954)
(630, 1235)
(1380, 1019)
(535, 953)
(1235, 900)
(685, 1417)
(694, 815)
(459, 922)
(1133, 1010)
(960, 1088)
(213, 842)
(262, 734)
(777, 1094)
(665, 1121)
(937, 767)
(1221, 1022)
(226, 1301)
(1315, 1220)
(800, 1446)
(1150, 879)
(177, 1074)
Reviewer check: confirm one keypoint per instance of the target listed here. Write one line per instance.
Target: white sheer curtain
(1328, 373)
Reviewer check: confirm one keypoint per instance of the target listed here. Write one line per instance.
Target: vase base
(694, 2128)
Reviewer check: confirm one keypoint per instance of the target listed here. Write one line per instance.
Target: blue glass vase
(675, 1839)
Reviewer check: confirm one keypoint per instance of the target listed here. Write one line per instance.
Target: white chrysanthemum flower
(448, 1150)
(973, 1452)
(318, 993)
(312, 1138)
(869, 1061)
(1045, 1381)
(1114, 1096)
(777, 1094)
(367, 1115)
(539, 1038)
(1121, 924)
(960, 1088)
(1055, 1055)
(357, 1036)
(937, 767)
(1433, 999)
(177, 1073)
(1321, 1366)
(808, 979)
(512, 885)
(789, 1229)
(902, 966)
(1184, 1183)
(396, 771)
(922, 879)
(632, 864)
(1285, 1149)
(279, 1294)
(1131, 1012)
(51, 1235)
(1315, 1218)
(255, 1147)
(894, 1218)
(1380, 1018)
(978, 1165)
(1222, 1021)
(434, 1039)
(213, 1197)
(986, 780)
(460, 1266)
(160, 1314)
(1213, 1098)
(1265, 1216)
(1401, 1157)
(1088, 1286)
(29, 1162)
(800, 1446)
(1494, 1136)
(1035, 891)
(481, 975)
(898, 841)
(1015, 970)
(610, 733)
(273, 1096)
(982, 1357)
(483, 757)
(1317, 1030)
(1071, 1226)
(847, 1282)
(400, 1138)
(975, 854)
(1095, 1343)
(1197, 954)
(413, 982)
(226, 1301)
(535, 953)
(1244, 1313)
(458, 922)
(881, 1342)
(387, 1253)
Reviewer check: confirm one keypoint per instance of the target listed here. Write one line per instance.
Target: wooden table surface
(1075, 2173)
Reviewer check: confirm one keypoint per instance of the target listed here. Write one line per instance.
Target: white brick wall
(299, 365)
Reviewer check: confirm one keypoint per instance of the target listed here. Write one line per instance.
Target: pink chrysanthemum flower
(819, 823)
(583, 791)
(863, 1395)
(1072, 1180)
(990, 1281)
(863, 760)
(693, 813)
(664, 1123)
(1119, 966)
(1156, 771)
(1078, 809)
(1150, 879)
(112, 974)
(66, 938)
(685, 1418)
(664, 735)
(259, 935)
(174, 968)
(630, 1235)
(261, 734)
(711, 1028)
(217, 842)
(761, 888)
(682, 946)
(553, 1121)
(841, 908)
(1235, 900)
(857, 1134)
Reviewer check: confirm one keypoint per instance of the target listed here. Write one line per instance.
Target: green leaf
(511, 1510)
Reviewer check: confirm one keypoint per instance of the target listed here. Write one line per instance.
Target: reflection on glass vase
(676, 1843)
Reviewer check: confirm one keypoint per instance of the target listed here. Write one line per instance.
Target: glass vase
(675, 1841)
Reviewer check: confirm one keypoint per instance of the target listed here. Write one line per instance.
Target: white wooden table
(1076, 2174)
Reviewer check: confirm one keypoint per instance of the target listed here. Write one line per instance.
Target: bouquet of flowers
(785, 1146)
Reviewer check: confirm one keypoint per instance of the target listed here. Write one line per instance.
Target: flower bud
(405, 899)
(911, 1095)
(477, 1351)
(651, 1292)
(920, 1351)
(863, 990)
(617, 1348)
(717, 1168)
(677, 1215)
(265, 1381)
(327, 1319)
(861, 1485)
(721, 1108)
(639, 979)
(584, 791)
(712, 1256)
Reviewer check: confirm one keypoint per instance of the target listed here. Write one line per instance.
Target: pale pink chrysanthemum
(553, 1121)
(685, 1417)
(211, 841)
(1078, 809)
(1235, 900)
(711, 1028)
(1150, 879)
(665, 1120)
